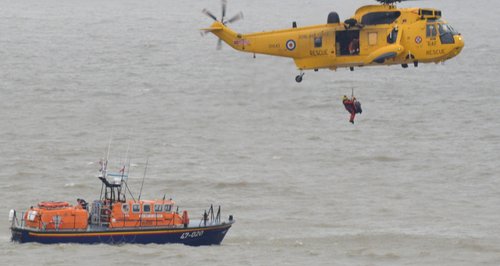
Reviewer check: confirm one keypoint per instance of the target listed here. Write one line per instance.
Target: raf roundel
(290, 45)
(418, 39)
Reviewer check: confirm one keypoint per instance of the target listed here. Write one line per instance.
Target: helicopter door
(347, 42)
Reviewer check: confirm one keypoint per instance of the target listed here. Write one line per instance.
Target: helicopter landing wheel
(415, 63)
(404, 65)
(298, 78)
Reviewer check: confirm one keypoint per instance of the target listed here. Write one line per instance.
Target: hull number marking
(192, 234)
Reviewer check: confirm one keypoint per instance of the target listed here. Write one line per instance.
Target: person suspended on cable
(357, 105)
(349, 106)
(352, 106)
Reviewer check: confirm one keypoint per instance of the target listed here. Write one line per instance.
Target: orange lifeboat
(114, 219)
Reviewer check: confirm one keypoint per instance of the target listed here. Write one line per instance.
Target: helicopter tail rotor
(222, 20)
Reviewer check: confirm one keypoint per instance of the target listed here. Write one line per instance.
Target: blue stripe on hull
(190, 236)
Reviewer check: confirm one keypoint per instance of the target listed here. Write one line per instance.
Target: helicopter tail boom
(278, 42)
(225, 34)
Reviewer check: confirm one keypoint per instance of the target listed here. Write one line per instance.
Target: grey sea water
(414, 182)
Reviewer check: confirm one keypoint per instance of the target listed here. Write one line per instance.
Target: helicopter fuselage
(375, 35)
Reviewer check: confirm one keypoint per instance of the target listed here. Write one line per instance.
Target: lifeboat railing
(14, 222)
(100, 214)
(210, 217)
(18, 223)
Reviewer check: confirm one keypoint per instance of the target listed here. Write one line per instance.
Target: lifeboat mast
(112, 190)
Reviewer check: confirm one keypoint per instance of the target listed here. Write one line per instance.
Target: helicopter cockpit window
(318, 42)
(431, 30)
(445, 28)
(376, 18)
(446, 33)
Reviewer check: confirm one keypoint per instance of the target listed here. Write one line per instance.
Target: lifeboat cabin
(144, 213)
(111, 211)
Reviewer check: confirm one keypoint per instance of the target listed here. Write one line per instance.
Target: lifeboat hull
(193, 236)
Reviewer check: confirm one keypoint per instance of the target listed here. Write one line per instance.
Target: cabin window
(318, 42)
(376, 18)
(146, 208)
(431, 30)
(136, 208)
(158, 208)
(372, 38)
(125, 208)
(168, 207)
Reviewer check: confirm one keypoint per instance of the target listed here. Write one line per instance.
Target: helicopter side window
(431, 30)
(372, 38)
(318, 42)
(376, 18)
(446, 34)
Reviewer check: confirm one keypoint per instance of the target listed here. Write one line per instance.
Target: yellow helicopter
(376, 35)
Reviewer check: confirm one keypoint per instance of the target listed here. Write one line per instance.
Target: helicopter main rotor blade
(208, 13)
(235, 18)
(390, 2)
(224, 4)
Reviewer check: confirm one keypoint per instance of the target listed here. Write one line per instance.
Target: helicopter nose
(459, 44)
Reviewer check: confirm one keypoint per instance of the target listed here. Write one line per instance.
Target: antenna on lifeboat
(128, 170)
(144, 177)
(126, 185)
(105, 163)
